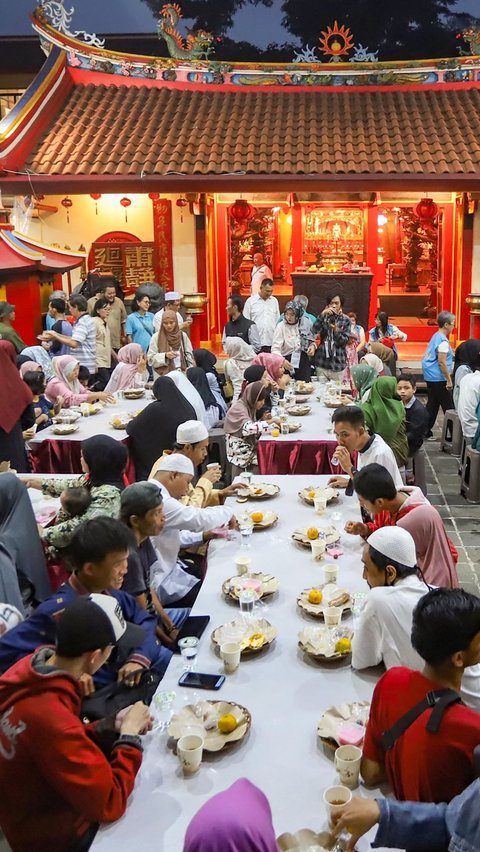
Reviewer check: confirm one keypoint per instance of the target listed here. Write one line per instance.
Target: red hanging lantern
(125, 202)
(181, 202)
(241, 210)
(96, 196)
(154, 196)
(67, 203)
(426, 209)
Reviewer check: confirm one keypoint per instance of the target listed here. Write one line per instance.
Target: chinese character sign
(162, 234)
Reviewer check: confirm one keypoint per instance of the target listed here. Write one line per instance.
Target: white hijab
(190, 393)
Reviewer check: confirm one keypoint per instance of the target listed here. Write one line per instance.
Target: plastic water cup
(190, 752)
(347, 764)
(230, 653)
(247, 598)
(335, 799)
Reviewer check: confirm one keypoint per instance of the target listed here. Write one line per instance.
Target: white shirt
(183, 527)
(383, 634)
(258, 275)
(468, 399)
(265, 313)
(380, 453)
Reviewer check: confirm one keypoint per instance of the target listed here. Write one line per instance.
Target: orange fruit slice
(315, 596)
(312, 533)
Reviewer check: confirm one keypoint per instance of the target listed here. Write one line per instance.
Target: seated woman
(16, 411)
(66, 384)
(23, 572)
(375, 362)
(385, 416)
(240, 356)
(467, 360)
(363, 377)
(213, 410)
(131, 370)
(277, 367)
(242, 429)
(103, 463)
(385, 332)
(190, 393)
(292, 338)
(206, 360)
(43, 408)
(170, 349)
(154, 429)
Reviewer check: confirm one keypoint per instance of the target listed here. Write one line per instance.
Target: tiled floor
(461, 519)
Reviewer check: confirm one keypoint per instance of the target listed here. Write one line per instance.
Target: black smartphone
(201, 681)
(194, 626)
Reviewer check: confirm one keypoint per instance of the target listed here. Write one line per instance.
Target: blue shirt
(430, 366)
(140, 329)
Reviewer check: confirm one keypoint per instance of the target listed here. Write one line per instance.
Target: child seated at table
(35, 379)
(416, 419)
(74, 501)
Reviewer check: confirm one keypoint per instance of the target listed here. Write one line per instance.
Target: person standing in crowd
(264, 311)
(172, 302)
(170, 349)
(416, 417)
(104, 352)
(84, 335)
(355, 345)
(437, 367)
(292, 339)
(260, 271)
(239, 326)
(423, 764)
(139, 325)
(351, 434)
(56, 312)
(58, 783)
(7, 331)
(131, 370)
(50, 319)
(117, 315)
(240, 356)
(16, 412)
(333, 330)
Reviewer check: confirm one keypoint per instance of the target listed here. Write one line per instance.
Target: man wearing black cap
(57, 783)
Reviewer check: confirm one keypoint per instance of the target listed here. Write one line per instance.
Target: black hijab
(106, 459)
(253, 373)
(198, 378)
(155, 428)
(206, 360)
(467, 353)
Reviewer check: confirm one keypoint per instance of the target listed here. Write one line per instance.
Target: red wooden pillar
(372, 259)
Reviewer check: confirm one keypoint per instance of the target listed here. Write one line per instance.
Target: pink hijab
(434, 556)
(124, 373)
(273, 364)
(63, 367)
(237, 820)
(30, 367)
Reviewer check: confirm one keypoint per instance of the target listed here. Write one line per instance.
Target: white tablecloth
(96, 424)
(316, 426)
(285, 693)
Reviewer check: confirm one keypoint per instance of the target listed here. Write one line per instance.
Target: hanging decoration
(426, 210)
(96, 196)
(241, 211)
(125, 202)
(67, 203)
(181, 202)
(154, 196)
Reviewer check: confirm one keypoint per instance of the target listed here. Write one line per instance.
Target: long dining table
(285, 692)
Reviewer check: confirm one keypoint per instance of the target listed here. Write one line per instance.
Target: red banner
(162, 235)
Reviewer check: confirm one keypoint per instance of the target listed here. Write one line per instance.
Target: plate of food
(304, 387)
(293, 426)
(254, 635)
(121, 421)
(64, 428)
(263, 584)
(221, 723)
(344, 724)
(299, 410)
(305, 535)
(306, 840)
(65, 415)
(316, 599)
(133, 393)
(310, 494)
(259, 491)
(336, 401)
(325, 645)
(87, 409)
(260, 520)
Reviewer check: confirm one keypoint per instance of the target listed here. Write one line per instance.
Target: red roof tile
(121, 130)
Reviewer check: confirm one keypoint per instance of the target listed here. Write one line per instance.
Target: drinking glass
(163, 709)
(245, 526)
(188, 649)
(359, 601)
(247, 598)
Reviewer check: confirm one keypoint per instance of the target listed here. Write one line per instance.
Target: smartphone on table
(199, 680)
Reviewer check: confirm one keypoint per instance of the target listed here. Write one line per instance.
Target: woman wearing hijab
(240, 356)
(254, 373)
(214, 412)
(363, 377)
(29, 367)
(278, 369)
(40, 356)
(23, 573)
(385, 416)
(292, 337)
(206, 361)
(16, 411)
(237, 820)
(190, 393)
(467, 360)
(242, 429)
(386, 355)
(65, 384)
(170, 349)
(375, 362)
(131, 370)
(154, 429)
(103, 463)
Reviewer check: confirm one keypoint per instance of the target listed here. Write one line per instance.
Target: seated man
(58, 779)
(98, 553)
(141, 509)
(410, 509)
(429, 756)
(185, 526)
(351, 434)
(468, 401)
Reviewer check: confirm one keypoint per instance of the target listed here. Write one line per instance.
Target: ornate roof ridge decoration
(316, 74)
(60, 19)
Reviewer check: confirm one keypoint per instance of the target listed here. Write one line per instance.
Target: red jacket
(55, 782)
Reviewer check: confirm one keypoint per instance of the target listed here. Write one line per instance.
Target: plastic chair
(470, 484)
(451, 440)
